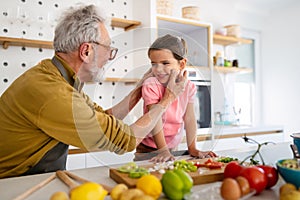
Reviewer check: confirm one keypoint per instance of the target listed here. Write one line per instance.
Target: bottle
(226, 111)
(219, 58)
(235, 63)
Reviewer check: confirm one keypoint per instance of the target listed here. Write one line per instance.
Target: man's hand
(177, 82)
(175, 87)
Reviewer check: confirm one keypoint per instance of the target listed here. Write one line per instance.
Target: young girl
(169, 53)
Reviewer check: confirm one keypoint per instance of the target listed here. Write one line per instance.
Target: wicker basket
(164, 7)
(233, 30)
(191, 12)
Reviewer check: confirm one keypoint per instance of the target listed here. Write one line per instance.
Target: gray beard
(99, 76)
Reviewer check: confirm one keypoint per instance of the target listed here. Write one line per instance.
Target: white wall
(279, 66)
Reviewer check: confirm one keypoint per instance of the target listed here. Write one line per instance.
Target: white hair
(76, 26)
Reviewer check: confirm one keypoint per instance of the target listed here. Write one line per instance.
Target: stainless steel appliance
(203, 97)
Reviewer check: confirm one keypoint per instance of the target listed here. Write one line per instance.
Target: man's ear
(84, 52)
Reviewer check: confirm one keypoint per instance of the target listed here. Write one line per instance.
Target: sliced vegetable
(128, 167)
(185, 165)
(226, 159)
(133, 170)
(210, 164)
(138, 172)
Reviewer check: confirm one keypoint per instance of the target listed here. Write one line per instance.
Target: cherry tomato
(256, 178)
(271, 173)
(232, 169)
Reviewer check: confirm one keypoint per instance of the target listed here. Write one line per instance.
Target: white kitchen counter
(12, 187)
(229, 137)
(231, 129)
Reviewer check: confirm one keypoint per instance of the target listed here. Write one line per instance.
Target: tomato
(232, 169)
(271, 173)
(256, 178)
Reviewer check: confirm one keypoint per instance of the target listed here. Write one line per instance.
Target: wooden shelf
(124, 23)
(228, 40)
(227, 70)
(10, 41)
(125, 80)
(182, 21)
(198, 67)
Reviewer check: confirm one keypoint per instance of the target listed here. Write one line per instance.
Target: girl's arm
(191, 129)
(191, 134)
(159, 139)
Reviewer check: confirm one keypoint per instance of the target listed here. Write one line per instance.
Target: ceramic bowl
(289, 175)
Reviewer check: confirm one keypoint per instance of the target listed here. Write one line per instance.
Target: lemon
(88, 191)
(150, 185)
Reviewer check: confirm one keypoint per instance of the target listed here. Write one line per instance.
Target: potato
(59, 196)
(130, 194)
(143, 197)
(286, 188)
(117, 191)
(291, 195)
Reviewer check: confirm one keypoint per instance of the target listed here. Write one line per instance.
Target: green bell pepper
(176, 183)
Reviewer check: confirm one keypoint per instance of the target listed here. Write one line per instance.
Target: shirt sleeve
(152, 91)
(75, 120)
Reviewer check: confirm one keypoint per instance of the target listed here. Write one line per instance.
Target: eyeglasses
(113, 50)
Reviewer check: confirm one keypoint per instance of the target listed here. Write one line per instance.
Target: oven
(202, 102)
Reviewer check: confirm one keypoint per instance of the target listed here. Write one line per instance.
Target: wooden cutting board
(205, 176)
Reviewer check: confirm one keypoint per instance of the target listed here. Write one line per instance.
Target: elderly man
(44, 110)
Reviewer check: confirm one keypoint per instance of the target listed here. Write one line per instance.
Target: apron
(56, 158)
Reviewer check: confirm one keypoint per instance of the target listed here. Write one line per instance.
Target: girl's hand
(203, 154)
(163, 156)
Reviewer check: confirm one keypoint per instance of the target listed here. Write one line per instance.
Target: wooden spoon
(78, 178)
(86, 191)
(35, 188)
(66, 179)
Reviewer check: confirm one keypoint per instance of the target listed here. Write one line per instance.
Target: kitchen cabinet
(226, 41)
(232, 86)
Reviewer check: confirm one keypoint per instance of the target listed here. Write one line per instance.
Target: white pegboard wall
(36, 19)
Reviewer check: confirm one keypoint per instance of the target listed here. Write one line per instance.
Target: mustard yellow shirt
(41, 109)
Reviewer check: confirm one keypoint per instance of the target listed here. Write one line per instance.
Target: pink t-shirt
(172, 119)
